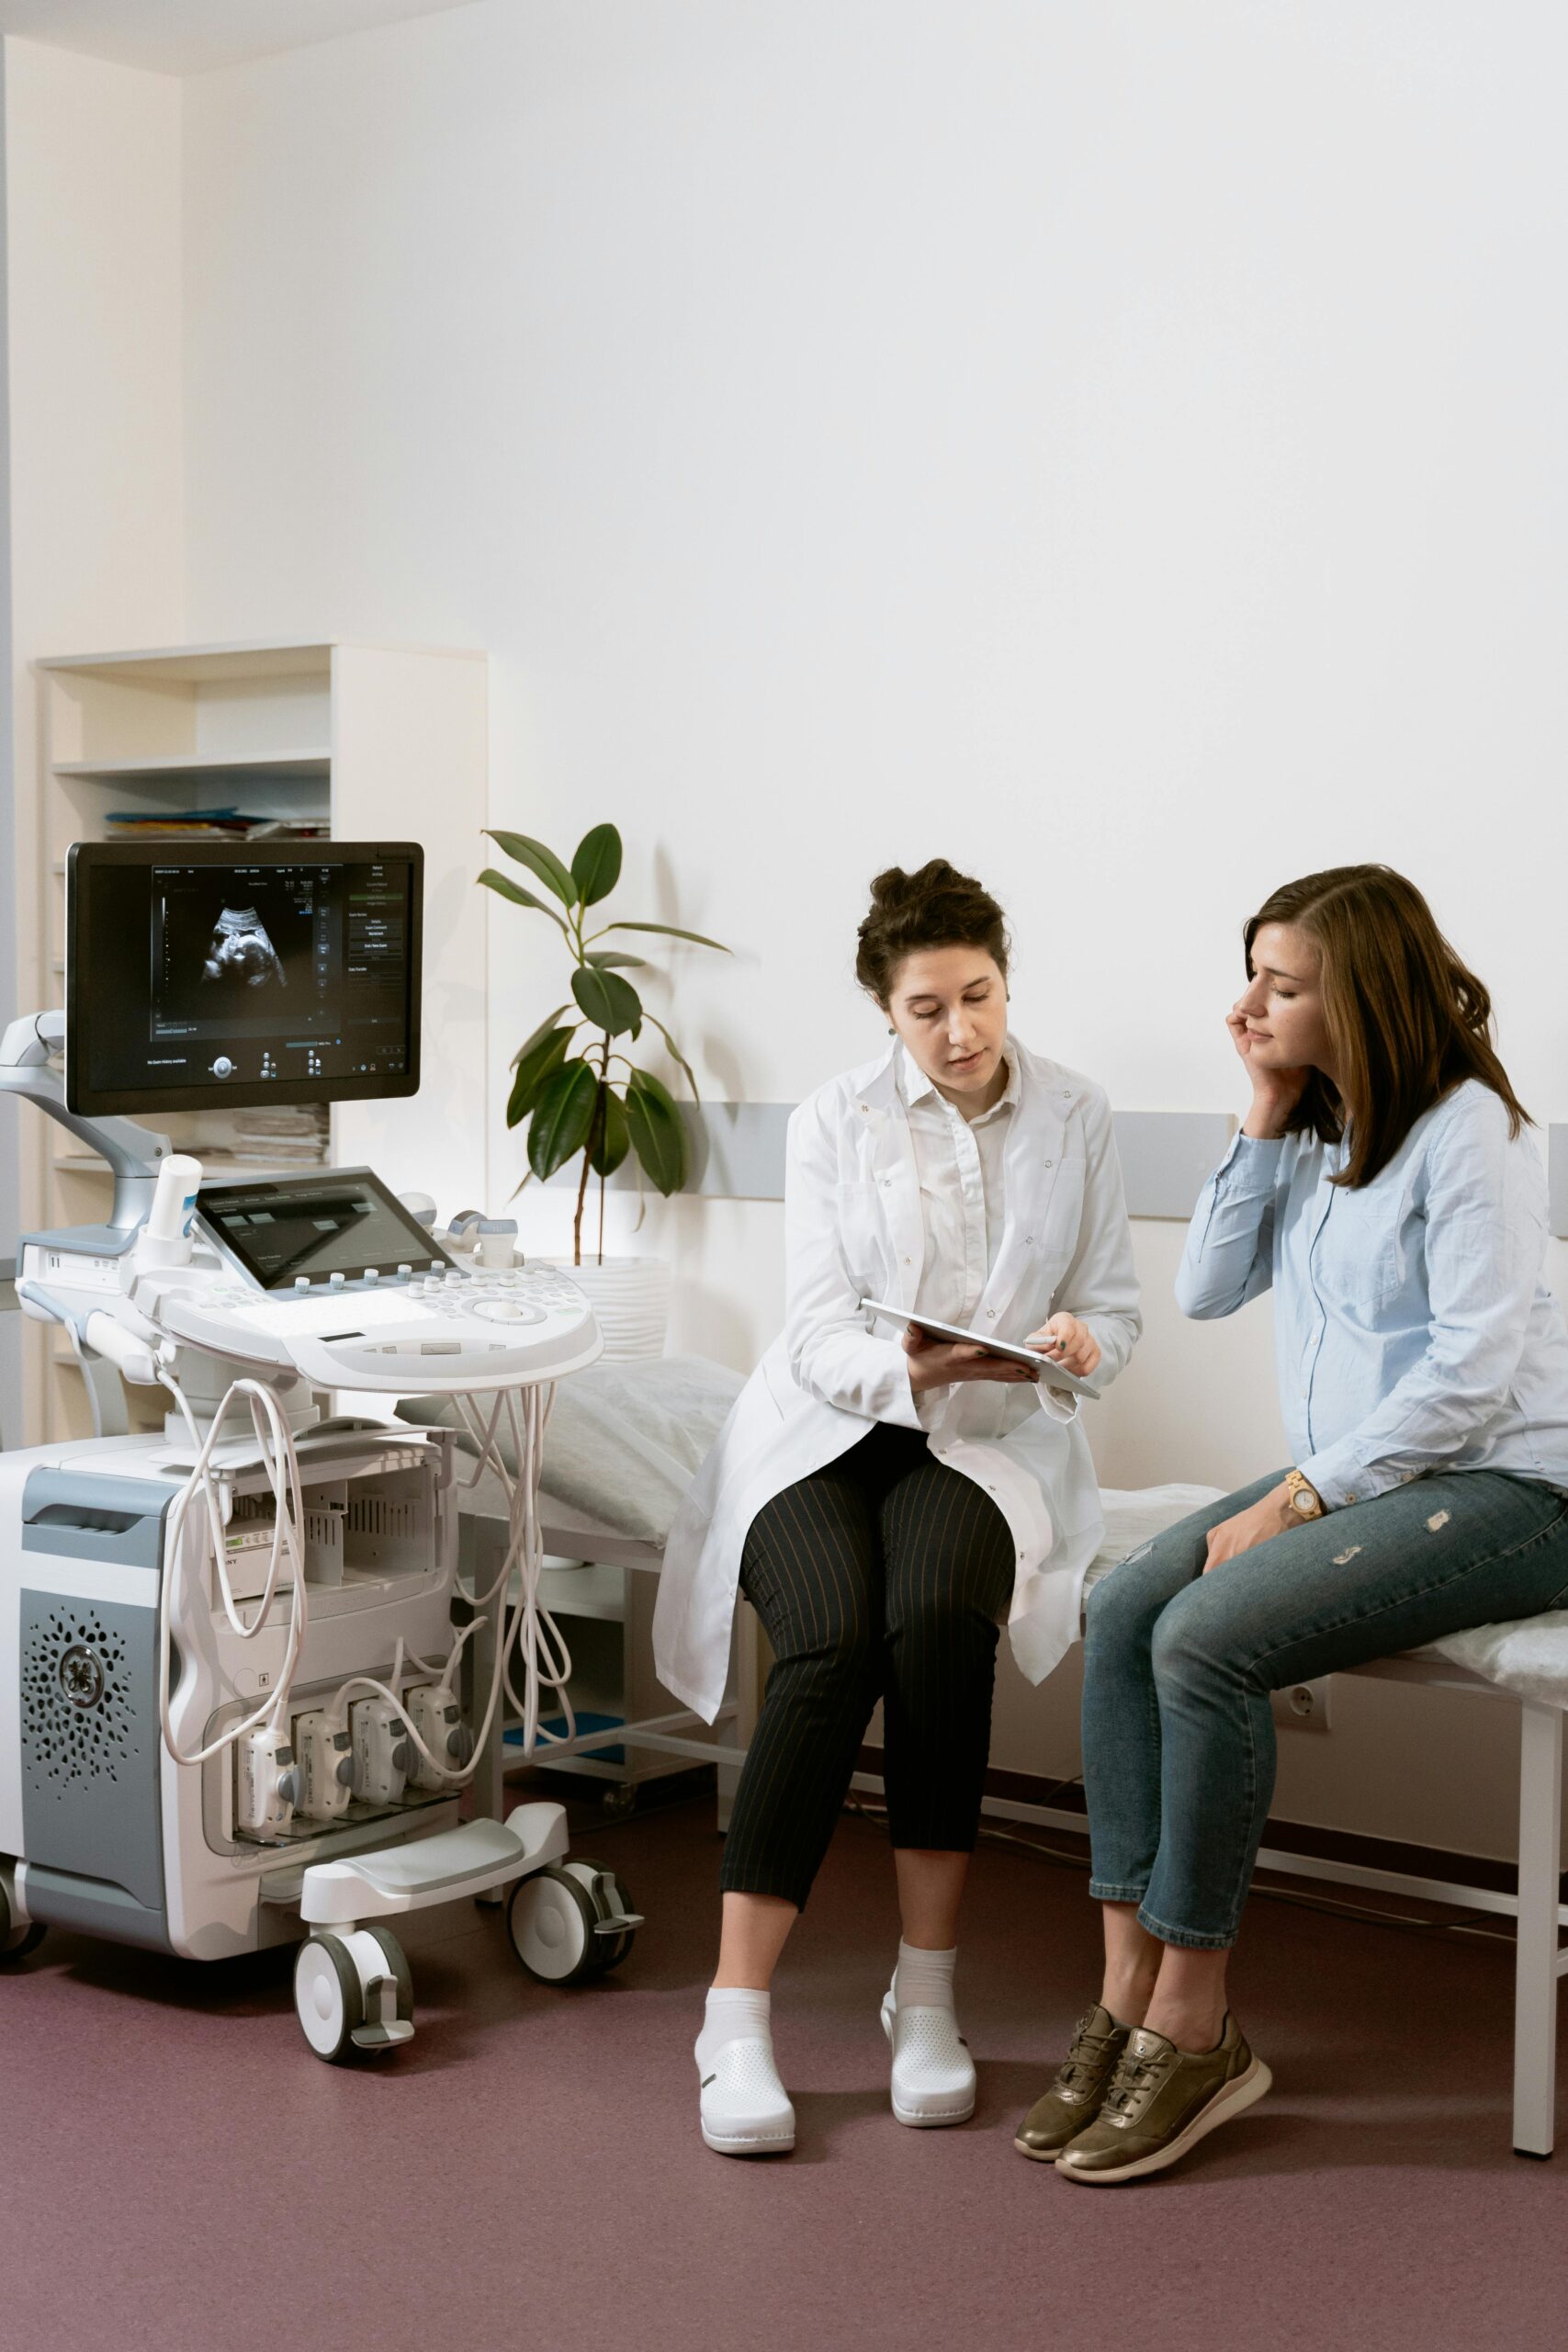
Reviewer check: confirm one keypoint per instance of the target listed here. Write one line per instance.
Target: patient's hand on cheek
(938, 1363)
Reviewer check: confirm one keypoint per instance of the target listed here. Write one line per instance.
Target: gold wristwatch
(1301, 1497)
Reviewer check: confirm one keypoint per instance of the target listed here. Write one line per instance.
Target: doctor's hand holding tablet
(937, 1360)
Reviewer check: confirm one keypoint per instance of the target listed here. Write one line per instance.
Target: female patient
(1384, 1185)
(883, 1500)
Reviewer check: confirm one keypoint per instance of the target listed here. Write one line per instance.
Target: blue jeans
(1177, 1730)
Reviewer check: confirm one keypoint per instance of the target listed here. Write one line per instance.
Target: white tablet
(1058, 1375)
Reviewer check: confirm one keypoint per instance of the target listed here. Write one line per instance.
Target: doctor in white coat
(886, 1501)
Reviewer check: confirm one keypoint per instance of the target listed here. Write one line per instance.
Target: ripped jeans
(1177, 1730)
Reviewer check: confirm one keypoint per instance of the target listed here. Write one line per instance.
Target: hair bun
(937, 907)
(894, 889)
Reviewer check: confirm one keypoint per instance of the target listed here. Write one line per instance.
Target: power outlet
(1302, 1706)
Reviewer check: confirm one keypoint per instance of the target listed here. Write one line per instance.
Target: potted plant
(579, 1092)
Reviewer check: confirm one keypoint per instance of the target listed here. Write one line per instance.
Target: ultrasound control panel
(406, 1334)
(329, 1272)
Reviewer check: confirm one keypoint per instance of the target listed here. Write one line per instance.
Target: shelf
(155, 732)
(201, 665)
(87, 1163)
(252, 767)
(591, 1591)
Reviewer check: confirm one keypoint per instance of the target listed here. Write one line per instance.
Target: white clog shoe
(745, 2107)
(933, 2075)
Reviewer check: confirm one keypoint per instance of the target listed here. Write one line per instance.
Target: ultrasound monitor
(201, 973)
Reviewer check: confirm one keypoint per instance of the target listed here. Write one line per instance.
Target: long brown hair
(1408, 1022)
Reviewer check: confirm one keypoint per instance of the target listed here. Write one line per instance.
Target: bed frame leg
(1535, 1979)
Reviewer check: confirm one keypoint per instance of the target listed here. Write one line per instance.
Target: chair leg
(1535, 1979)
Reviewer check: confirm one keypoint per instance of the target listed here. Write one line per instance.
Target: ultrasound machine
(234, 1710)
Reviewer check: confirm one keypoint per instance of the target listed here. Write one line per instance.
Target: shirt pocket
(863, 1227)
(1052, 1229)
(1362, 1255)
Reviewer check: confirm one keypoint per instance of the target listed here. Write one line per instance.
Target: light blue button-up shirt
(1412, 1329)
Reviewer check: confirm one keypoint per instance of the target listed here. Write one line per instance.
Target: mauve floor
(182, 2174)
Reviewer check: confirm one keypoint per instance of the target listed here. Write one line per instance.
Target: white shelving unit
(376, 743)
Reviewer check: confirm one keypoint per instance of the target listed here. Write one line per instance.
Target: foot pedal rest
(621, 1925)
(382, 2037)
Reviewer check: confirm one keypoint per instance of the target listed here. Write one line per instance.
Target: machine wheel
(16, 1942)
(609, 1951)
(329, 2000)
(550, 1921)
(620, 1799)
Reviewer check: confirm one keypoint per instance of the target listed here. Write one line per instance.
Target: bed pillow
(625, 1440)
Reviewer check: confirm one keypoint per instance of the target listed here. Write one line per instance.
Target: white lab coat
(853, 1230)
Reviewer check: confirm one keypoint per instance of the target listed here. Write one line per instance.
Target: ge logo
(81, 1676)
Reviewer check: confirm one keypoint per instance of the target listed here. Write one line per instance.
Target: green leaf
(669, 931)
(657, 1133)
(596, 864)
(612, 1140)
(533, 1069)
(562, 1116)
(519, 897)
(608, 959)
(532, 1039)
(541, 861)
(675, 1052)
(610, 1003)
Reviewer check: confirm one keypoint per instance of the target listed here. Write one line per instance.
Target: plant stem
(582, 1197)
(595, 1125)
(604, 1079)
(582, 1186)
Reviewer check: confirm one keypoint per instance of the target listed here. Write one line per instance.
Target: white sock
(734, 2013)
(923, 1980)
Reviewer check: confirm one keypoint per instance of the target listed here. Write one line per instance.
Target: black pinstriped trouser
(885, 1575)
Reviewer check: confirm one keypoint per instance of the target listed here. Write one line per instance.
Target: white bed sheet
(1528, 1656)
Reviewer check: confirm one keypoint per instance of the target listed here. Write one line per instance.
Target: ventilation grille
(386, 1517)
(319, 1526)
(76, 1701)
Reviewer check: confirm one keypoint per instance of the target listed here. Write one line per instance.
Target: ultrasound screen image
(287, 979)
(241, 950)
(223, 949)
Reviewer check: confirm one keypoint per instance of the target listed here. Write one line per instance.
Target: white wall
(93, 458)
(1118, 447)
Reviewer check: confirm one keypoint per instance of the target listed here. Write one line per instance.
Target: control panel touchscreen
(290, 1231)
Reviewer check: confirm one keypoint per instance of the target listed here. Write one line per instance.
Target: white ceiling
(192, 36)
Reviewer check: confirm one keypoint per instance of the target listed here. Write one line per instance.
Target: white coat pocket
(861, 1231)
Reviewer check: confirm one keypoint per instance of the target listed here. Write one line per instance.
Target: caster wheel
(16, 1941)
(551, 1920)
(329, 2000)
(621, 1800)
(609, 1951)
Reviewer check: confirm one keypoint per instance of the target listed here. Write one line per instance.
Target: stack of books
(286, 1135)
(216, 824)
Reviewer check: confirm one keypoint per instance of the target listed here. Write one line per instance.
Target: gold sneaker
(1161, 2102)
(1081, 2082)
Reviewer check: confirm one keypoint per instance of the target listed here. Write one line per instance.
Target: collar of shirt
(916, 1087)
